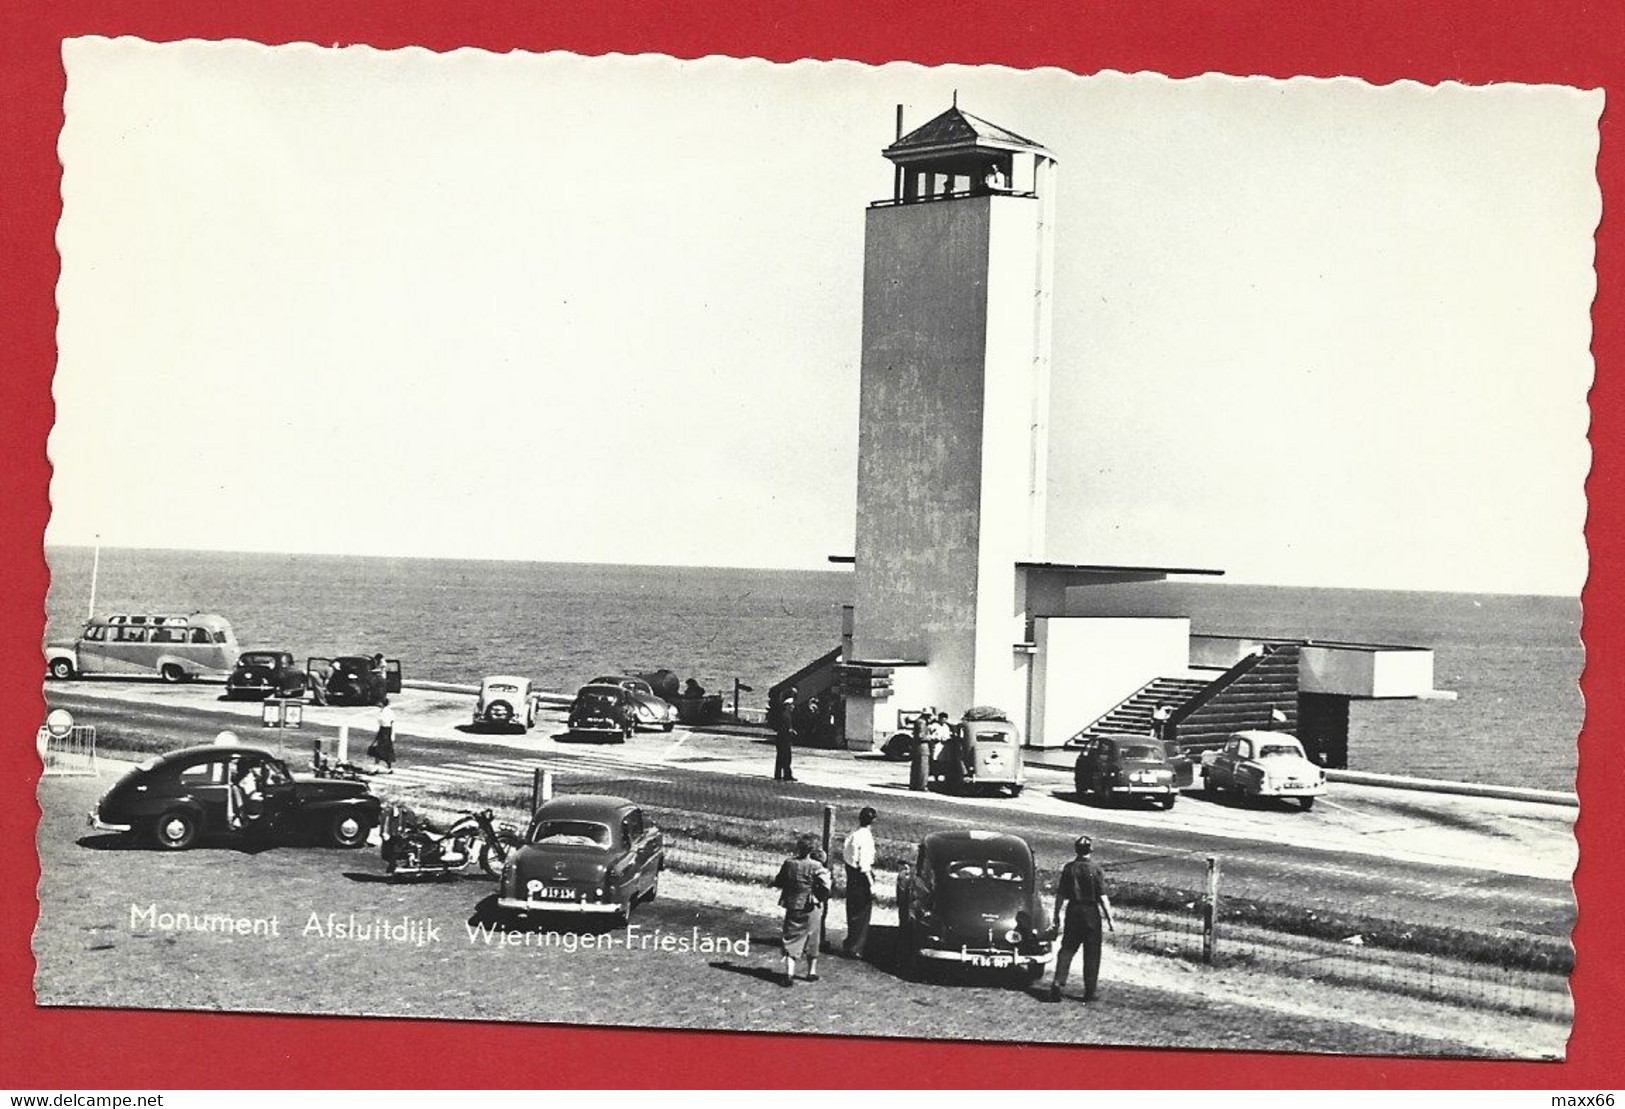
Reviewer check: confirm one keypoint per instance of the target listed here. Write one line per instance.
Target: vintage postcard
(954, 553)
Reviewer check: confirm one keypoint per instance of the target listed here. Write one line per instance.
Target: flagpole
(95, 569)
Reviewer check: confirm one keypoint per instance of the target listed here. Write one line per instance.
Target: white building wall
(1087, 665)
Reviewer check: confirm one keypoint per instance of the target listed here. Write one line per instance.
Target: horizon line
(818, 568)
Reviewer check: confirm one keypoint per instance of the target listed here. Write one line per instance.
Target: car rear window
(982, 870)
(1139, 753)
(502, 687)
(993, 737)
(1278, 749)
(576, 833)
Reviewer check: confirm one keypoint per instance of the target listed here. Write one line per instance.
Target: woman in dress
(382, 749)
(804, 886)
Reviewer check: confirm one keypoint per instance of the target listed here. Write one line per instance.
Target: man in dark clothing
(784, 734)
(1081, 905)
(858, 853)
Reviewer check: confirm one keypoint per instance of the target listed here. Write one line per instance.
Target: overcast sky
(560, 308)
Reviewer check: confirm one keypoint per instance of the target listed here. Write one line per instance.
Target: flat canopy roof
(1079, 568)
(1088, 568)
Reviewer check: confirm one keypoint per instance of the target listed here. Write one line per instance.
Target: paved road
(1362, 851)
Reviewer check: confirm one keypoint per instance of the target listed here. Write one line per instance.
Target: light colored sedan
(505, 700)
(1264, 764)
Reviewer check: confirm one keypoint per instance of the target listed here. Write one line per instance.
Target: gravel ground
(92, 951)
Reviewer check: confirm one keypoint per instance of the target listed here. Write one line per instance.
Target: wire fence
(735, 830)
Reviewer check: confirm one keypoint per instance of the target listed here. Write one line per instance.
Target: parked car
(606, 711)
(1115, 768)
(505, 700)
(177, 799)
(261, 674)
(352, 680)
(983, 755)
(972, 898)
(653, 711)
(584, 853)
(1264, 764)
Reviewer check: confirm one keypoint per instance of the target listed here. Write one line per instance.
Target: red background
(1473, 41)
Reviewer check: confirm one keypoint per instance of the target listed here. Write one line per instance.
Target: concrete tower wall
(945, 477)
(920, 439)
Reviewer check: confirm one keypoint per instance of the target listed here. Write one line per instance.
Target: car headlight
(1013, 936)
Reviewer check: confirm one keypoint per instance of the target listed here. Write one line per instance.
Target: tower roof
(956, 132)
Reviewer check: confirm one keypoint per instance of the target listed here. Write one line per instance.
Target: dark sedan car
(353, 680)
(584, 853)
(176, 799)
(605, 711)
(972, 898)
(260, 674)
(653, 711)
(1116, 768)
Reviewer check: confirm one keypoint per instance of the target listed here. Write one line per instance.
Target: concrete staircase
(1260, 693)
(1133, 716)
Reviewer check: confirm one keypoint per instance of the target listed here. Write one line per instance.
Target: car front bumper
(1148, 789)
(998, 958)
(95, 821)
(521, 905)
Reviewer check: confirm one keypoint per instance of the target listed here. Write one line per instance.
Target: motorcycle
(413, 848)
(323, 767)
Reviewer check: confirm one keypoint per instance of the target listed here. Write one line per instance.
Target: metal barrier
(70, 754)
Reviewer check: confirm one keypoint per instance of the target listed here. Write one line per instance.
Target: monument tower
(953, 436)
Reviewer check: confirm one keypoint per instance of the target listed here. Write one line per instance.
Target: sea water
(1514, 661)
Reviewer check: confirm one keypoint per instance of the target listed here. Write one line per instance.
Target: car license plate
(979, 960)
(559, 893)
(1292, 785)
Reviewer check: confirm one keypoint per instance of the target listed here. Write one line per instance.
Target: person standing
(1159, 722)
(380, 674)
(804, 886)
(937, 734)
(382, 748)
(858, 853)
(784, 737)
(1081, 905)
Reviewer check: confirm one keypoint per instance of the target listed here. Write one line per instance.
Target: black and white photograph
(940, 552)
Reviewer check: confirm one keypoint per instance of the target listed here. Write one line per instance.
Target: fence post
(829, 839)
(1210, 912)
(344, 744)
(541, 788)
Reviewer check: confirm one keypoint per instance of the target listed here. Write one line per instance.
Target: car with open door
(353, 679)
(177, 800)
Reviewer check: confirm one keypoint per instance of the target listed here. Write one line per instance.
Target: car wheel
(1209, 786)
(61, 669)
(175, 831)
(347, 830)
(1306, 803)
(1015, 790)
(530, 719)
(1167, 802)
(654, 889)
(668, 725)
(171, 673)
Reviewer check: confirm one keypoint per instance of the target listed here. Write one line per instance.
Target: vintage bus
(175, 648)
